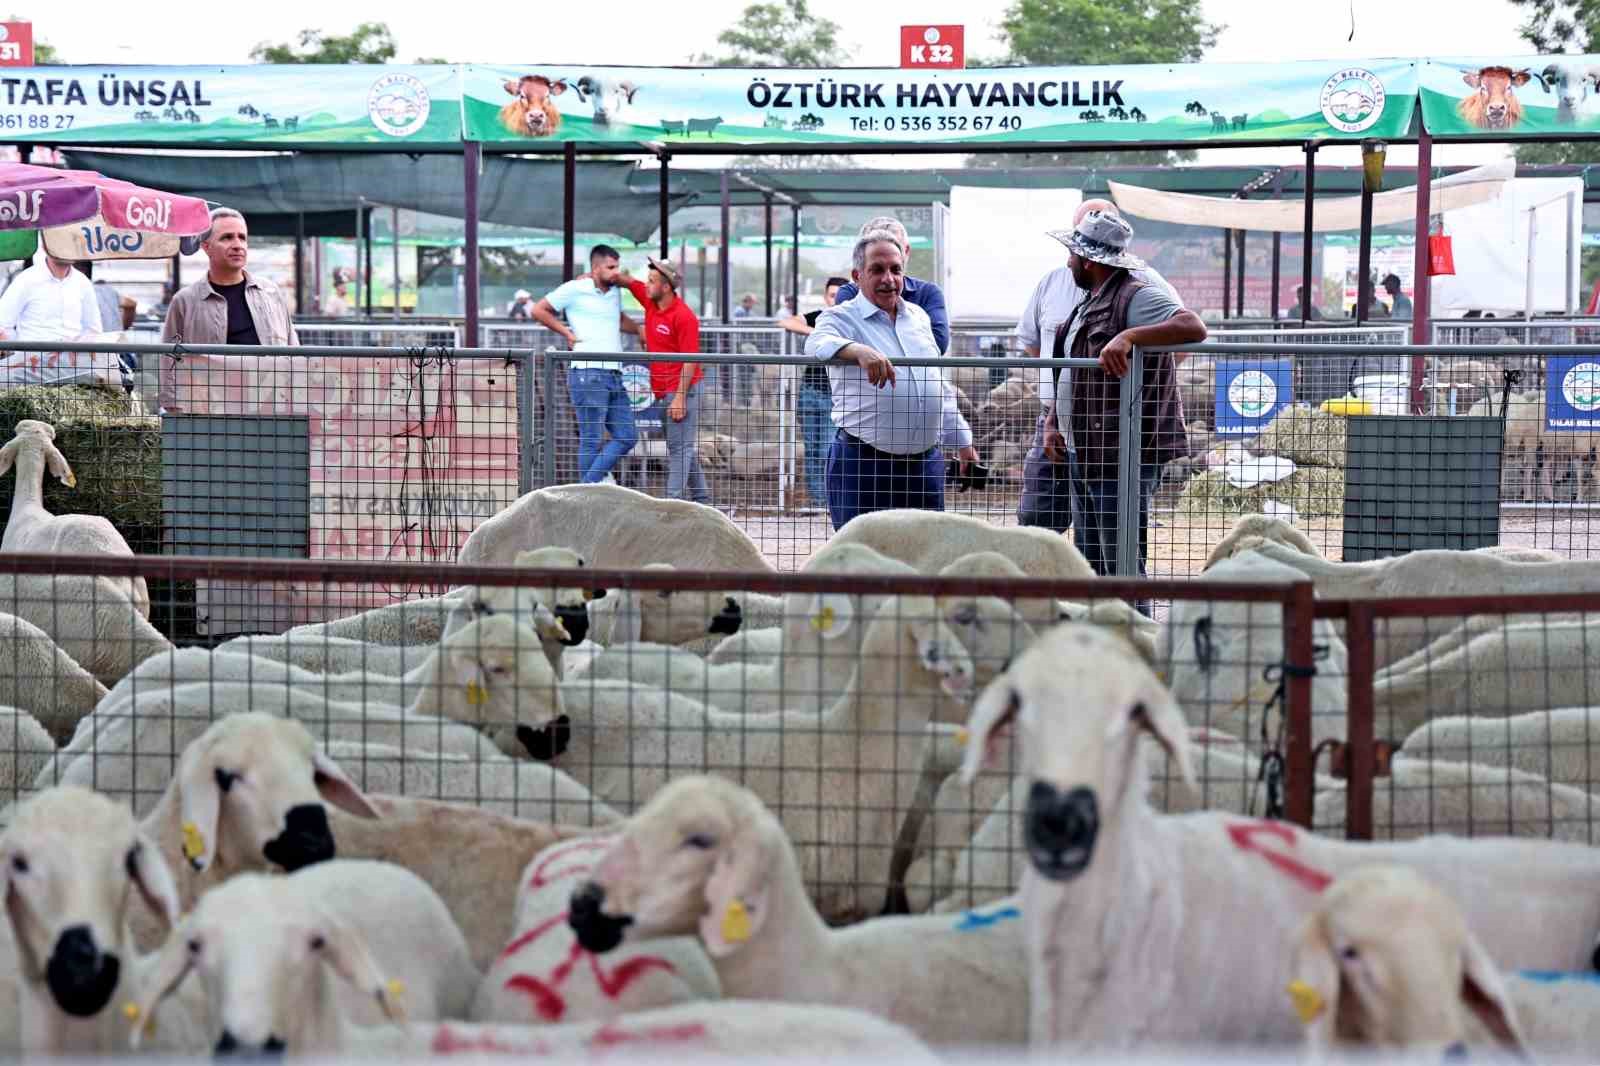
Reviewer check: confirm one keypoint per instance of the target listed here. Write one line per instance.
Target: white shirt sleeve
(11, 302)
(953, 431)
(827, 336)
(1028, 325)
(91, 320)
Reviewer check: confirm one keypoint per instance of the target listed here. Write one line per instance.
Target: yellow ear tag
(736, 923)
(963, 736)
(823, 619)
(476, 693)
(396, 989)
(130, 1011)
(194, 843)
(71, 480)
(1307, 1001)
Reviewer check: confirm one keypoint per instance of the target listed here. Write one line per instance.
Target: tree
(779, 33)
(1062, 33)
(1555, 27)
(370, 42)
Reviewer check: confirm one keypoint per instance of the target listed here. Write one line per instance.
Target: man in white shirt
(1046, 487)
(892, 419)
(593, 306)
(49, 301)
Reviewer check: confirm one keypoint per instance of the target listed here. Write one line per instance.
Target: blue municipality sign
(647, 410)
(1572, 393)
(1250, 393)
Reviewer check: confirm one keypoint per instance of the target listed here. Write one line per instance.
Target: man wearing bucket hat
(1047, 486)
(1118, 314)
(671, 326)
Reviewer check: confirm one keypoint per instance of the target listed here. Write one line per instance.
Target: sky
(635, 32)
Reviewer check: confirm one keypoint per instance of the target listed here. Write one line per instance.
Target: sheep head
(259, 951)
(492, 674)
(1387, 959)
(1083, 759)
(699, 857)
(251, 791)
(39, 437)
(70, 857)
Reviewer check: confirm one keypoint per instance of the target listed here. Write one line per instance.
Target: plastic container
(1389, 394)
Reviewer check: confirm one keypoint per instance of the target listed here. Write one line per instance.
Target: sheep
(419, 621)
(330, 655)
(1435, 796)
(38, 677)
(31, 528)
(255, 943)
(1249, 530)
(931, 540)
(547, 974)
(542, 608)
(749, 645)
(1551, 744)
(71, 860)
(1571, 83)
(1218, 658)
(664, 616)
(841, 780)
(26, 748)
(1101, 860)
(706, 857)
(89, 618)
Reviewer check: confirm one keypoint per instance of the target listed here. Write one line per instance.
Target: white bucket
(1389, 394)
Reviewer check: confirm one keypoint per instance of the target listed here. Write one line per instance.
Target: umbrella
(85, 215)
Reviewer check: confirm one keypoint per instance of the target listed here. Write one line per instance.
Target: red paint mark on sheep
(531, 935)
(627, 973)
(542, 877)
(611, 1035)
(549, 1003)
(1243, 835)
(447, 1041)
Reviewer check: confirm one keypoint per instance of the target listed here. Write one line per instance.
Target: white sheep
(26, 748)
(662, 616)
(748, 645)
(842, 781)
(932, 540)
(1387, 961)
(545, 975)
(31, 528)
(1250, 530)
(419, 621)
(559, 613)
(38, 677)
(706, 857)
(1100, 859)
(72, 862)
(330, 655)
(257, 944)
(1562, 745)
(90, 619)
(1223, 659)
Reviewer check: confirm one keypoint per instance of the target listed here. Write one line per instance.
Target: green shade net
(18, 243)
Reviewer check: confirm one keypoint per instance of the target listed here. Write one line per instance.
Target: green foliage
(44, 53)
(1100, 32)
(780, 33)
(1556, 26)
(370, 42)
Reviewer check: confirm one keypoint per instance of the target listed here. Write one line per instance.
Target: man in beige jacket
(229, 305)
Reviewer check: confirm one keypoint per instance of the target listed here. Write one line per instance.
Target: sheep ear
(627, 623)
(345, 951)
(1313, 990)
(335, 786)
(153, 878)
(200, 808)
(830, 614)
(1158, 715)
(17, 918)
(8, 455)
(1484, 994)
(58, 466)
(547, 625)
(736, 893)
(999, 704)
(172, 966)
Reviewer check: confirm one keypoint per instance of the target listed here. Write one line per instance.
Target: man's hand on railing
(1055, 445)
(873, 363)
(1114, 356)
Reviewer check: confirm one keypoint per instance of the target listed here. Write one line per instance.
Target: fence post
(548, 365)
(1129, 430)
(526, 399)
(1299, 659)
(1359, 767)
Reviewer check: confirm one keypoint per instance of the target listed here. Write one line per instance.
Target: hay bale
(1313, 491)
(116, 457)
(1309, 437)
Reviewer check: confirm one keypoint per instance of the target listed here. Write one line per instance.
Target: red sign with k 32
(937, 47)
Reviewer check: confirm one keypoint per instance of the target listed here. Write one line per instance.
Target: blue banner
(1572, 393)
(1250, 393)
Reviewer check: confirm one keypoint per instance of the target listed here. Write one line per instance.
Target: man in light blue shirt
(892, 419)
(593, 306)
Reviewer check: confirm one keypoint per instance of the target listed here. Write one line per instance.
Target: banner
(1506, 98)
(1232, 102)
(1572, 393)
(259, 106)
(1250, 393)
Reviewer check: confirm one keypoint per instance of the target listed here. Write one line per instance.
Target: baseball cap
(667, 271)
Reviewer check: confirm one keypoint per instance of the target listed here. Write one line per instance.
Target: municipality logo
(398, 104)
(1580, 387)
(1252, 393)
(636, 383)
(1352, 100)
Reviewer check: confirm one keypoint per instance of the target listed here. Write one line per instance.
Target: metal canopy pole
(1227, 269)
(1239, 303)
(794, 260)
(1421, 283)
(1364, 258)
(472, 158)
(666, 205)
(768, 200)
(1277, 271)
(366, 241)
(724, 267)
(300, 263)
(394, 243)
(1305, 250)
(569, 210)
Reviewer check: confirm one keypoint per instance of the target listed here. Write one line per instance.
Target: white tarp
(998, 248)
(1476, 186)
(1489, 243)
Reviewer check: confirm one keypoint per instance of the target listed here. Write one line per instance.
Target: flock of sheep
(560, 819)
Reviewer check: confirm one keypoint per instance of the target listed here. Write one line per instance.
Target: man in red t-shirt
(670, 326)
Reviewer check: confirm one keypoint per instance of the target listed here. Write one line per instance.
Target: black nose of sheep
(229, 1046)
(547, 741)
(81, 976)
(575, 618)
(729, 619)
(596, 932)
(306, 838)
(1060, 830)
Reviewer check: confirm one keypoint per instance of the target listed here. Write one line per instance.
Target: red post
(1359, 634)
(1297, 643)
(1420, 299)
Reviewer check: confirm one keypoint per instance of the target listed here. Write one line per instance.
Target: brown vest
(1096, 395)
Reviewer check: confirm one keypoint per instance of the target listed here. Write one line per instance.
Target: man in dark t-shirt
(815, 401)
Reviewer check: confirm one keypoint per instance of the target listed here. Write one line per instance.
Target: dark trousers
(1094, 517)
(863, 479)
(1046, 488)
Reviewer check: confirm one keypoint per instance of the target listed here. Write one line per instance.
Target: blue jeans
(600, 402)
(1094, 519)
(683, 450)
(817, 430)
(863, 479)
